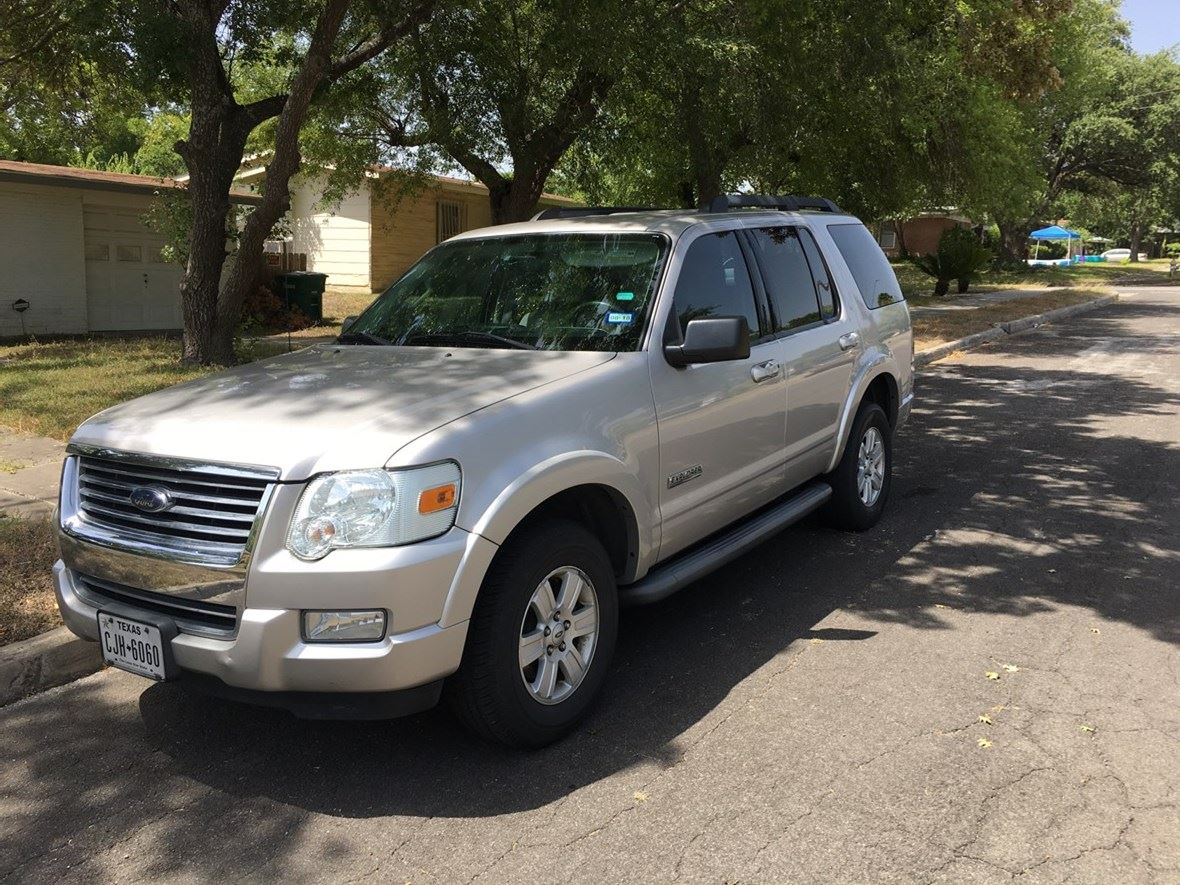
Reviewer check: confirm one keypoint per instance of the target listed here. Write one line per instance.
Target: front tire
(540, 639)
(862, 480)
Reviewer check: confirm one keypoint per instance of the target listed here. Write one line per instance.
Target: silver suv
(537, 424)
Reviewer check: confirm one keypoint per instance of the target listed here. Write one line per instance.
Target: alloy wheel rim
(558, 635)
(870, 467)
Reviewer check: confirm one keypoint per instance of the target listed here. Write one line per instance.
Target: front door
(721, 425)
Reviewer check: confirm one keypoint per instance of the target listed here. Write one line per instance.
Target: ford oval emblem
(151, 499)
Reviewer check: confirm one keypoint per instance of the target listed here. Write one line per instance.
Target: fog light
(347, 626)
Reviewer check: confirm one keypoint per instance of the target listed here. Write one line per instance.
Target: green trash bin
(304, 290)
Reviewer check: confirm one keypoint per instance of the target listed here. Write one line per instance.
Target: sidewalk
(30, 469)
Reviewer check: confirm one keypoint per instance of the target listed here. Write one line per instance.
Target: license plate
(131, 645)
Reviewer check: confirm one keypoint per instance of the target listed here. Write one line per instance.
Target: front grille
(212, 511)
(190, 615)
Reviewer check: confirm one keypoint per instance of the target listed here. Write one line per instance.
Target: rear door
(817, 341)
(721, 425)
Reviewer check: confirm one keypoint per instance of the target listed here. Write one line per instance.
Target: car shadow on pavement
(1018, 490)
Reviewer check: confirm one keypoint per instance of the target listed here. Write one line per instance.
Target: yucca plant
(960, 257)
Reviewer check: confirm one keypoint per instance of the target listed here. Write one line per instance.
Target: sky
(1155, 24)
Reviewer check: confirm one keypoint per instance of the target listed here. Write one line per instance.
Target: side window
(824, 287)
(715, 282)
(789, 283)
(870, 268)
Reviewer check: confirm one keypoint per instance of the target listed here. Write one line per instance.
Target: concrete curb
(1000, 330)
(53, 658)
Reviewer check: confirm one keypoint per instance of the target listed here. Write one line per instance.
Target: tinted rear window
(870, 268)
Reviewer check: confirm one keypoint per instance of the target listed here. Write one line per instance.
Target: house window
(888, 239)
(450, 219)
(128, 253)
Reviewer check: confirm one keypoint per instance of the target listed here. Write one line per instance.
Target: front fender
(520, 497)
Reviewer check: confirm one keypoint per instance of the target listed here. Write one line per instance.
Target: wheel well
(604, 512)
(882, 390)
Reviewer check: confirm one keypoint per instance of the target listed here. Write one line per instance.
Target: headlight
(374, 508)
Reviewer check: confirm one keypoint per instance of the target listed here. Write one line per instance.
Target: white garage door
(128, 285)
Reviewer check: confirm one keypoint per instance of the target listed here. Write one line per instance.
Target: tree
(1078, 133)
(64, 89)
(875, 105)
(208, 33)
(501, 88)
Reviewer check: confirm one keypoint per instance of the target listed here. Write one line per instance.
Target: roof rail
(585, 211)
(788, 203)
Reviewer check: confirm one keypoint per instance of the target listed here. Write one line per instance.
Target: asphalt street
(984, 687)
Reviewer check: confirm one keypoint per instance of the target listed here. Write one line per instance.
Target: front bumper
(417, 585)
(268, 653)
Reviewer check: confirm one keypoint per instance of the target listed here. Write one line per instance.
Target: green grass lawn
(1087, 276)
(50, 388)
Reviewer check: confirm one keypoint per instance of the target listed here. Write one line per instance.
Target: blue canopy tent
(1057, 233)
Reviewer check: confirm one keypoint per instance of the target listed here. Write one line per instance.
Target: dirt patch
(27, 554)
(933, 329)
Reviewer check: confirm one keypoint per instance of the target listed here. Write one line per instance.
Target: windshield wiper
(490, 336)
(468, 336)
(359, 337)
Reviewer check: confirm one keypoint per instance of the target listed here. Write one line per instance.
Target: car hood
(328, 407)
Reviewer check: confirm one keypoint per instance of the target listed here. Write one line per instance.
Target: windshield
(535, 291)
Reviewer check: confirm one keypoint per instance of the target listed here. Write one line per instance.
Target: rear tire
(862, 480)
(519, 685)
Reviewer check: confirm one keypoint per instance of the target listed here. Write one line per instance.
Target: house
(371, 237)
(76, 257)
(918, 235)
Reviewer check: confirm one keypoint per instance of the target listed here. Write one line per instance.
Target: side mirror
(348, 321)
(711, 340)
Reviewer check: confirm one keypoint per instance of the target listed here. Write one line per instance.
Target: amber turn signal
(436, 499)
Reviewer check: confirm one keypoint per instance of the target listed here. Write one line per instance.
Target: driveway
(985, 686)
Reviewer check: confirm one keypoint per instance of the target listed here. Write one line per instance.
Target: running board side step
(665, 579)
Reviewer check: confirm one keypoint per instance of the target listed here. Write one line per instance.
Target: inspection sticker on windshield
(625, 296)
(613, 317)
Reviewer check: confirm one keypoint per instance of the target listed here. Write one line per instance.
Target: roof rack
(788, 203)
(585, 211)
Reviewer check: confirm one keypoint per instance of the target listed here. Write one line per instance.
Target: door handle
(766, 371)
(849, 341)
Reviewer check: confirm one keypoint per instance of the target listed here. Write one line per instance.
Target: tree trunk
(1012, 241)
(515, 199)
(1136, 239)
(285, 161)
(941, 287)
(899, 232)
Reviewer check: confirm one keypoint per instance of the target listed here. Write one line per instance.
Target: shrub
(960, 257)
(1048, 250)
(1172, 250)
(265, 312)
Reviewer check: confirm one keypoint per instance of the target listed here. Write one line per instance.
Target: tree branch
(367, 50)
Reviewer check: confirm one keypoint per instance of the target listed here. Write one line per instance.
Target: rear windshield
(534, 291)
(870, 268)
